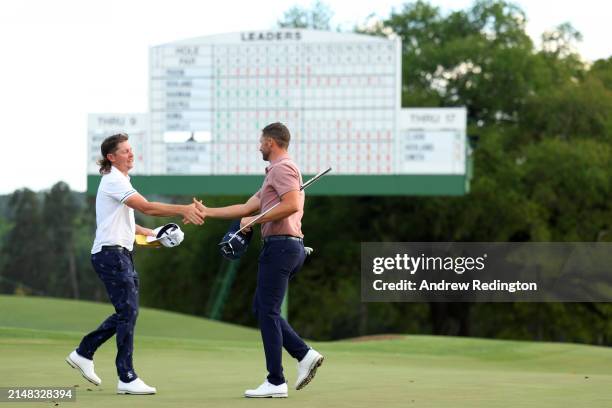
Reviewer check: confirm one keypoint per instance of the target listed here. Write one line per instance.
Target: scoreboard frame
(155, 176)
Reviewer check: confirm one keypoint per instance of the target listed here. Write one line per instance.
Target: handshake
(195, 213)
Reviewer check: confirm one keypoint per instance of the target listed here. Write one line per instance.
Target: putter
(226, 246)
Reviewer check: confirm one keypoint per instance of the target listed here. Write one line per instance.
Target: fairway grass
(200, 363)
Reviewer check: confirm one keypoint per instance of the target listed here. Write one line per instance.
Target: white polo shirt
(115, 224)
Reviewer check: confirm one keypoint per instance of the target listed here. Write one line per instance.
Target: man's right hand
(193, 215)
(200, 205)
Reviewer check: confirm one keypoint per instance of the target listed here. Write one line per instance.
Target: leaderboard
(100, 126)
(432, 141)
(338, 93)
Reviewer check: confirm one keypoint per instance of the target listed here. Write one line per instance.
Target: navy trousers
(115, 267)
(278, 262)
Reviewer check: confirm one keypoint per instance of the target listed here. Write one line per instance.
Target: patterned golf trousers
(115, 267)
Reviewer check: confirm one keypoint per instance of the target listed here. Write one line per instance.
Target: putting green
(200, 363)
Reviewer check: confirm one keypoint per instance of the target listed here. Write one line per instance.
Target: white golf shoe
(85, 366)
(307, 368)
(136, 387)
(267, 390)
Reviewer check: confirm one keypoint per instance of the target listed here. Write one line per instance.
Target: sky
(63, 59)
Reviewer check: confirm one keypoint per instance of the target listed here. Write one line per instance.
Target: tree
(60, 213)
(318, 17)
(602, 70)
(24, 247)
(480, 58)
(518, 98)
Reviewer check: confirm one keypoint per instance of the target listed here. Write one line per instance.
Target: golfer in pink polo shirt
(282, 256)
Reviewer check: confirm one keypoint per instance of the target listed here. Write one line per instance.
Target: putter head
(233, 245)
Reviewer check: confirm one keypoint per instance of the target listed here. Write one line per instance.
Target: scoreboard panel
(432, 141)
(337, 93)
(100, 126)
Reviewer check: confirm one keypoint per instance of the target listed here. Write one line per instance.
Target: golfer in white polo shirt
(112, 260)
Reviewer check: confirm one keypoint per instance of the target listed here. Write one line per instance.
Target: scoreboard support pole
(285, 306)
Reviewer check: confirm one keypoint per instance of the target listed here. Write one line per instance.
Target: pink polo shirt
(282, 176)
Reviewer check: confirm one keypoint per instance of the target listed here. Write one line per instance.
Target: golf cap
(233, 247)
(169, 235)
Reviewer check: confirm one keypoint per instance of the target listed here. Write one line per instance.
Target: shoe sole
(124, 392)
(76, 367)
(285, 395)
(311, 373)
